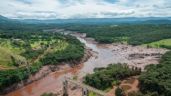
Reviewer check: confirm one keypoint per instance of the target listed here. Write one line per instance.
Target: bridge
(85, 88)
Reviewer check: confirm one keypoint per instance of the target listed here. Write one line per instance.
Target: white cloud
(47, 9)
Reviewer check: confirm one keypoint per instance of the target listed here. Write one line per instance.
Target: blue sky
(64, 9)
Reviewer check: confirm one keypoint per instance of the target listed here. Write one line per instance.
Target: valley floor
(102, 56)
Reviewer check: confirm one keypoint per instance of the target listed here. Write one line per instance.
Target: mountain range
(128, 20)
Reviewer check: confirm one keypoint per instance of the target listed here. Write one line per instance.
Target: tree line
(157, 79)
(104, 78)
(132, 34)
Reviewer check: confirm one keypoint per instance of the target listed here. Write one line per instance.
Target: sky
(71, 9)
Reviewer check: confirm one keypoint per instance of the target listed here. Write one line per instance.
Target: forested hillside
(24, 49)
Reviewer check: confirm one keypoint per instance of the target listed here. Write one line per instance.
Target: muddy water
(50, 83)
(103, 55)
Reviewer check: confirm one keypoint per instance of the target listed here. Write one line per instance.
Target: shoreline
(137, 56)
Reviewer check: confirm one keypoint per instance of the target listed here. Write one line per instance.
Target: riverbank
(137, 56)
(48, 69)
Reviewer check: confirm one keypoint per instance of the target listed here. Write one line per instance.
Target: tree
(119, 92)
(14, 61)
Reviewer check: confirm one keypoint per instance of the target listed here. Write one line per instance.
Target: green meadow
(165, 43)
(5, 60)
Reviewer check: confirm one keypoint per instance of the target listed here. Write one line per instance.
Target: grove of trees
(104, 78)
(157, 78)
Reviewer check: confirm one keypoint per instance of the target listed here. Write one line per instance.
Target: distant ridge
(164, 21)
(4, 20)
(129, 20)
(95, 21)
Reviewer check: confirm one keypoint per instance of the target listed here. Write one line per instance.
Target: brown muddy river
(102, 56)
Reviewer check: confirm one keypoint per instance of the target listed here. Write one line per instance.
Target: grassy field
(92, 94)
(158, 44)
(5, 58)
(60, 45)
(39, 43)
(7, 44)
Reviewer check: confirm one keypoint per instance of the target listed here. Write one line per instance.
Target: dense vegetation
(119, 92)
(11, 76)
(157, 78)
(28, 44)
(24, 49)
(132, 34)
(104, 78)
(71, 53)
